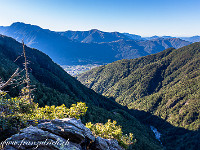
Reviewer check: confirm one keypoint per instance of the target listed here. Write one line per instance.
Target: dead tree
(27, 90)
(26, 93)
(10, 80)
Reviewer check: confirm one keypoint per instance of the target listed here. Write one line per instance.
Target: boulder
(68, 128)
(106, 144)
(34, 138)
(113, 144)
(59, 134)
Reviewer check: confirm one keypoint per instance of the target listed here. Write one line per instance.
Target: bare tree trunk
(16, 73)
(27, 80)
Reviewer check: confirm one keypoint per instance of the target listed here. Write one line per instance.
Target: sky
(141, 17)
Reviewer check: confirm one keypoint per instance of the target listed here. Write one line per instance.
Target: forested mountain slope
(55, 87)
(166, 84)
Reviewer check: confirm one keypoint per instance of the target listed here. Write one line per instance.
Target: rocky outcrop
(105, 144)
(59, 134)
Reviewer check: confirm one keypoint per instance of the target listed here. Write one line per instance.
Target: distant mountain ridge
(94, 36)
(191, 39)
(88, 47)
(61, 49)
(129, 49)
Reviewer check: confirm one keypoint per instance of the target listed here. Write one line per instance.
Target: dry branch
(16, 73)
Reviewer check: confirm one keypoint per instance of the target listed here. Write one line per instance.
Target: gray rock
(34, 138)
(106, 144)
(59, 134)
(68, 128)
(100, 143)
(113, 144)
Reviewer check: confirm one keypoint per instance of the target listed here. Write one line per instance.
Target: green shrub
(110, 130)
(59, 112)
(16, 112)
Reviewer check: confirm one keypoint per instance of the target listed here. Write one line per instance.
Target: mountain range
(88, 47)
(190, 39)
(94, 36)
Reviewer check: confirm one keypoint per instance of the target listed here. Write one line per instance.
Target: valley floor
(78, 69)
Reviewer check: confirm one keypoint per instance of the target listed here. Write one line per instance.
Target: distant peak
(17, 23)
(196, 36)
(22, 24)
(94, 30)
(155, 36)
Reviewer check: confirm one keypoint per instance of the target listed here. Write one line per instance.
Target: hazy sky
(143, 17)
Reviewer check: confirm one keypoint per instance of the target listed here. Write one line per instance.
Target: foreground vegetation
(18, 112)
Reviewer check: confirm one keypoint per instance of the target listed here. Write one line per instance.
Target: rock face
(59, 134)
